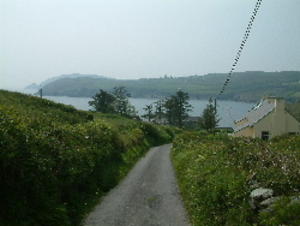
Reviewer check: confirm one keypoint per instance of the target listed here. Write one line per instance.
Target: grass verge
(216, 175)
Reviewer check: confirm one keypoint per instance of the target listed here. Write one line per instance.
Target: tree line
(173, 110)
(247, 86)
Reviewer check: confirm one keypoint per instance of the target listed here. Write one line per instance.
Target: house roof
(257, 113)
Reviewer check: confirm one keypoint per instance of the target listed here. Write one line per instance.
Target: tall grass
(56, 161)
(216, 175)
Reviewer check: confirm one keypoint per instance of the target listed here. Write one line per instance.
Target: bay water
(228, 111)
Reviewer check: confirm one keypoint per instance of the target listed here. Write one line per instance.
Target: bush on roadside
(55, 162)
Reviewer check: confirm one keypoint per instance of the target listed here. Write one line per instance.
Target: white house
(266, 120)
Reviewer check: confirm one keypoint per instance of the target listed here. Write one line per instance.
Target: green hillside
(245, 86)
(56, 161)
(217, 174)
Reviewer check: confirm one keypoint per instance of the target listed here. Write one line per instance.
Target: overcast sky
(142, 38)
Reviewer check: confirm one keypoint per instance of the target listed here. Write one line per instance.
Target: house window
(265, 135)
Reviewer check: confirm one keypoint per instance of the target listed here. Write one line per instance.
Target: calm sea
(228, 111)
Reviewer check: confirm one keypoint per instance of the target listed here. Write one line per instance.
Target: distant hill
(245, 86)
(33, 88)
(74, 75)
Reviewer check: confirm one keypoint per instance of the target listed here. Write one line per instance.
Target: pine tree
(149, 112)
(209, 119)
(121, 104)
(159, 114)
(103, 102)
(177, 108)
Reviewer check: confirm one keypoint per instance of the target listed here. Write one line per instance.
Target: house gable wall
(246, 132)
(277, 123)
(269, 117)
(293, 126)
(270, 124)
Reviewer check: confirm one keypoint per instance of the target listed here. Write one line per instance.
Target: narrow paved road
(148, 196)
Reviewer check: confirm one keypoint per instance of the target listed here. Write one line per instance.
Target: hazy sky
(142, 38)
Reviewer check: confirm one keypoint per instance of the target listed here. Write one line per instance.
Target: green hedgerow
(56, 161)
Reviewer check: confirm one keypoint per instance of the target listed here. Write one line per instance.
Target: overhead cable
(242, 45)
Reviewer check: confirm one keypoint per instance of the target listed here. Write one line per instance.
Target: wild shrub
(216, 174)
(283, 213)
(55, 161)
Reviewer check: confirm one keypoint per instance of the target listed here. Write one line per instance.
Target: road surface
(148, 196)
